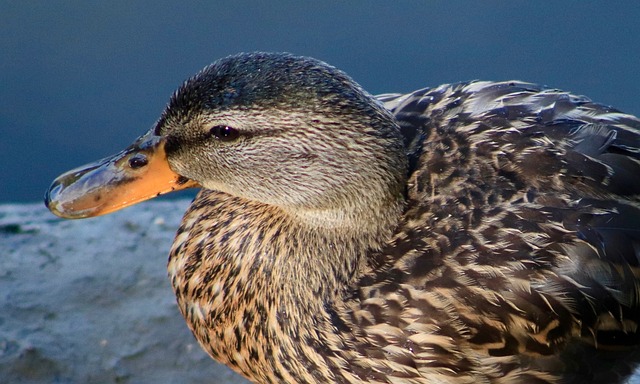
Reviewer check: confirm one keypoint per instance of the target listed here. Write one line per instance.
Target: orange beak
(138, 173)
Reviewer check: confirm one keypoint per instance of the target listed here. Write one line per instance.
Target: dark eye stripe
(224, 133)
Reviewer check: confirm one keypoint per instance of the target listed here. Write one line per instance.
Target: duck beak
(138, 173)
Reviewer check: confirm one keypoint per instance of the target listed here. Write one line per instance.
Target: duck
(477, 232)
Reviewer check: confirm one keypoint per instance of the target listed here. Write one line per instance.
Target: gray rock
(89, 301)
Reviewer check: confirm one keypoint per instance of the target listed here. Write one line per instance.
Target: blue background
(80, 80)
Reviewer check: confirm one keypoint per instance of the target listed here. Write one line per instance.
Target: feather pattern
(515, 259)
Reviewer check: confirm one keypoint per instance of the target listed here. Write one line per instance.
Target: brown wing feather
(522, 236)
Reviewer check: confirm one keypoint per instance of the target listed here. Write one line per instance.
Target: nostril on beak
(138, 161)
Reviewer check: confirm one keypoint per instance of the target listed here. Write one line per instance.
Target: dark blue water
(79, 81)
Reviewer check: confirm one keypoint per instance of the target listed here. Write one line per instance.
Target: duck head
(287, 131)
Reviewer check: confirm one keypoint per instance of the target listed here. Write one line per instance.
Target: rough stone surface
(89, 301)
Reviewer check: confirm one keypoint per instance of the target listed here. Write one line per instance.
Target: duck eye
(224, 133)
(138, 161)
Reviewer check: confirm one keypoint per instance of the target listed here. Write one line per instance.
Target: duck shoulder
(521, 237)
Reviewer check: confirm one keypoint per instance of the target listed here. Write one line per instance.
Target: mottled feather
(515, 258)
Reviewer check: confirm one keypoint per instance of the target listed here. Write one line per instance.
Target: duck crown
(271, 80)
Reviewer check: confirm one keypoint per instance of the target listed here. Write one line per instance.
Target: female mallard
(471, 233)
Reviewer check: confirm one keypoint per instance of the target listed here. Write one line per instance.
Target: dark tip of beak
(51, 196)
(52, 190)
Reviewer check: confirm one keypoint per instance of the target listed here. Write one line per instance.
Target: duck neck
(253, 281)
